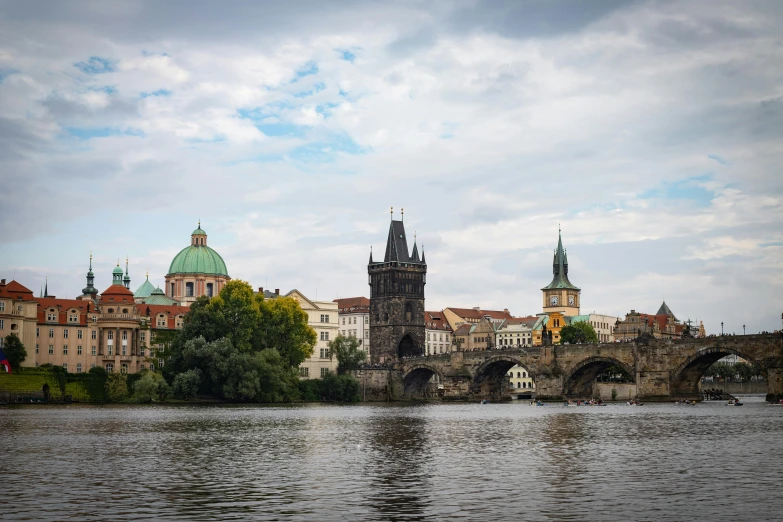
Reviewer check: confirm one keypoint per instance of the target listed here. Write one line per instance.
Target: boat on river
(734, 402)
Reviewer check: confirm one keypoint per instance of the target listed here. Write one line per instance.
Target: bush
(96, 384)
(117, 387)
(150, 387)
(340, 388)
(186, 385)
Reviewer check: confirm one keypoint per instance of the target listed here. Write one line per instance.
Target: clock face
(553, 300)
(571, 300)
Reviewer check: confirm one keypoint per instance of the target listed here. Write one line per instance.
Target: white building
(438, 333)
(603, 324)
(354, 320)
(515, 332)
(322, 317)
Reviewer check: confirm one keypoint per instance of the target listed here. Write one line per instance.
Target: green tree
(239, 310)
(284, 327)
(117, 387)
(743, 371)
(96, 384)
(150, 387)
(186, 384)
(347, 352)
(578, 332)
(340, 388)
(14, 351)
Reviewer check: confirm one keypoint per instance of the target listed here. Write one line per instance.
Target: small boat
(484, 401)
(734, 402)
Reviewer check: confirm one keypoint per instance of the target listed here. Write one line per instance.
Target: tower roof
(145, 290)
(560, 268)
(665, 310)
(397, 246)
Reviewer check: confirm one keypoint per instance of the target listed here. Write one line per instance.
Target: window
(125, 335)
(51, 333)
(110, 335)
(141, 351)
(109, 367)
(79, 350)
(124, 368)
(36, 347)
(51, 349)
(2, 306)
(51, 315)
(304, 371)
(94, 334)
(65, 349)
(78, 367)
(324, 336)
(160, 363)
(65, 333)
(78, 334)
(152, 367)
(343, 320)
(37, 330)
(324, 372)
(143, 366)
(73, 318)
(162, 321)
(142, 336)
(94, 320)
(94, 351)
(324, 318)
(209, 289)
(188, 289)
(324, 353)
(108, 350)
(124, 349)
(65, 367)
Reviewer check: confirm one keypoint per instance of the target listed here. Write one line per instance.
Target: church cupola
(561, 294)
(126, 280)
(116, 275)
(198, 237)
(90, 289)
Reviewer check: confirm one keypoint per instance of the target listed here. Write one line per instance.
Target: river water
(507, 461)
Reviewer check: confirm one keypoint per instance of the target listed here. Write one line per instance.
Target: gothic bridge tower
(397, 299)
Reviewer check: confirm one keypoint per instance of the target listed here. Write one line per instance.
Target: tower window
(188, 289)
(209, 290)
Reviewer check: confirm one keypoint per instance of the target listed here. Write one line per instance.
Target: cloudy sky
(652, 132)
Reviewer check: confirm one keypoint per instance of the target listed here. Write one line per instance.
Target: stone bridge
(661, 369)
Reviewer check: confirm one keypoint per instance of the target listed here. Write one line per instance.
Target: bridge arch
(489, 378)
(686, 379)
(409, 346)
(579, 382)
(416, 380)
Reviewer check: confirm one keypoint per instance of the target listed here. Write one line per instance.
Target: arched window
(524, 374)
(517, 375)
(519, 385)
(209, 290)
(524, 385)
(109, 367)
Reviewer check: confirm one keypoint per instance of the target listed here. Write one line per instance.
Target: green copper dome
(158, 298)
(198, 260)
(145, 290)
(198, 232)
(117, 271)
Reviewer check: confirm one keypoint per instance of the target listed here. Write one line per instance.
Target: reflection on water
(392, 462)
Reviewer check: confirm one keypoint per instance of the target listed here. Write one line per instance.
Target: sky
(650, 132)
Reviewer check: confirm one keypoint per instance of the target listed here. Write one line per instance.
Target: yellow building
(554, 322)
(323, 317)
(18, 314)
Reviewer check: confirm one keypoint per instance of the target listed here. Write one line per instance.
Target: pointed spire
(560, 266)
(422, 254)
(41, 294)
(46, 288)
(371, 261)
(126, 280)
(415, 254)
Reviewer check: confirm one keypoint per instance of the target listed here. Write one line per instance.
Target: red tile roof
(116, 294)
(464, 329)
(436, 321)
(353, 304)
(62, 307)
(472, 313)
(17, 291)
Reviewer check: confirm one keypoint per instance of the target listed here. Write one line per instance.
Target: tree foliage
(347, 352)
(578, 332)
(14, 351)
(284, 327)
(117, 386)
(337, 388)
(150, 387)
(186, 384)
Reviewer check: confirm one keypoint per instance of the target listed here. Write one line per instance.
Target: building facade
(439, 334)
(459, 316)
(322, 316)
(604, 325)
(195, 271)
(661, 325)
(354, 316)
(397, 299)
(560, 295)
(516, 332)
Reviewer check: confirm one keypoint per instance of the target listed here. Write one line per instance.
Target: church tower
(90, 291)
(397, 299)
(560, 295)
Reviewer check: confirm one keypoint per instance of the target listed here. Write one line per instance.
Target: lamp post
(721, 327)
(743, 329)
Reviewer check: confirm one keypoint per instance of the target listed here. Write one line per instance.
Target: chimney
(277, 291)
(476, 308)
(2, 281)
(261, 290)
(506, 311)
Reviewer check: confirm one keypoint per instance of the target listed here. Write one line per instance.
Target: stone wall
(625, 391)
(379, 384)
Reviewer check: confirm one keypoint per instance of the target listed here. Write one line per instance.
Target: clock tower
(560, 295)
